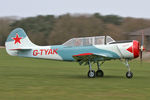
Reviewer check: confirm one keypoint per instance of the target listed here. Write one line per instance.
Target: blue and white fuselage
(86, 49)
(60, 52)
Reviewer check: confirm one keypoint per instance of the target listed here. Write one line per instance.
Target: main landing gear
(129, 74)
(92, 74)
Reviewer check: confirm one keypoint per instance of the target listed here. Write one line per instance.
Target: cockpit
(88, 41)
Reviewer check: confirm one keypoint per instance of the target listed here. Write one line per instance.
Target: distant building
(137, 36)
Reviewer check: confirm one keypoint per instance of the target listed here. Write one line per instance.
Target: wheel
(129, 74)
(99, 73)
(91, 74)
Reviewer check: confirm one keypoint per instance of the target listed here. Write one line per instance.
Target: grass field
(37, 79)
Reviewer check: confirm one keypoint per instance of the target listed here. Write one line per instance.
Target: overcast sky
(26, 8)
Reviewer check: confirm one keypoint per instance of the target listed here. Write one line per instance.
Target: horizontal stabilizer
(21, 49)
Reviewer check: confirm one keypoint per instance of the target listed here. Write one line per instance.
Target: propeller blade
(141, 54)
(142, 40)
(142, 46)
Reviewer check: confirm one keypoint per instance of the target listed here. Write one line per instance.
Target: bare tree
(4, 29)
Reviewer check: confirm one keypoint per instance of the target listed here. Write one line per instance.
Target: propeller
(142, 46)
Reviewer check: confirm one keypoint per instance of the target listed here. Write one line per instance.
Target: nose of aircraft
(136, 48)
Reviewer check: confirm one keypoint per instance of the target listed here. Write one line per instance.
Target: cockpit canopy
(88, 41)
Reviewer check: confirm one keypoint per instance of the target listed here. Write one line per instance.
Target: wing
(93, 57)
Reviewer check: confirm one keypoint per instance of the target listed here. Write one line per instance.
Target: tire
(129, 74)
(91, 74)
(99, 73)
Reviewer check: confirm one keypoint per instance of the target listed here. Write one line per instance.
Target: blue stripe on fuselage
(67, 52)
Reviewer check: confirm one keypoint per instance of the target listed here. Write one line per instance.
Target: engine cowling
(136, 48)
(129, 49)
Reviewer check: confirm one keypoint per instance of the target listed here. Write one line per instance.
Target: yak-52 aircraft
(85, 50)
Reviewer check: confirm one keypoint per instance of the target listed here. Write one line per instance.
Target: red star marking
(130, 49)
(17, 39)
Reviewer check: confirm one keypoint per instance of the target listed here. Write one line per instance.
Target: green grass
(37, 79)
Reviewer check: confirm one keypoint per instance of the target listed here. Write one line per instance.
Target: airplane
(84, 50)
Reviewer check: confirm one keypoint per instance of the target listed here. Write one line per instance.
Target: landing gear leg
(91, 73)
(129, 74)
(99, 72)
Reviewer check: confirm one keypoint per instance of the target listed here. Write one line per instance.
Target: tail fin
(18, 40)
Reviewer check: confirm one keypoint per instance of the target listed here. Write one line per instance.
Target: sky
(27, 8)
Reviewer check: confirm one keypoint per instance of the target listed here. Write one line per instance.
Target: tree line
(50, 29)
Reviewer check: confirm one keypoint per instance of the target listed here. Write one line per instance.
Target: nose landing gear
(129, 74)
